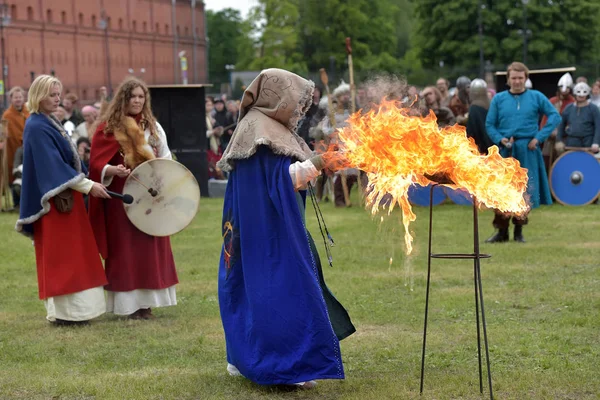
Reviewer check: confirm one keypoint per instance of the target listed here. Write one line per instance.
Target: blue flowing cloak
(48, 169)
(277, 328)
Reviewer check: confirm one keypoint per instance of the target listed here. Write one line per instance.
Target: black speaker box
(180, 111)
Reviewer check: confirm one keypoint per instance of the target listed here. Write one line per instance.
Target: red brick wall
(64, 36)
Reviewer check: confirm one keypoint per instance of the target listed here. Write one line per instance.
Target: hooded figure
(480, 103)
(281, 323)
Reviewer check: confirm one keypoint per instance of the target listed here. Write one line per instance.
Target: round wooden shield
(575, 178)
(165, 195)
(419, 195)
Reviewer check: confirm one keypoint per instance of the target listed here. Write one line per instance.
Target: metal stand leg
(475, 280)
(476, 256)
(479, 286)
(427, 292)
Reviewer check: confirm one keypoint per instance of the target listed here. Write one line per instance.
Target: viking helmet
(582, 89)
(344, 88)
(565, 82)
(462, 83)
(478, 92)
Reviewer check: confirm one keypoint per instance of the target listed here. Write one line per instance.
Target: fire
(397, 150)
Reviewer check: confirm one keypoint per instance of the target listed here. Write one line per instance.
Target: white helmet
(528, 84)
(582, 89)
(565, 82)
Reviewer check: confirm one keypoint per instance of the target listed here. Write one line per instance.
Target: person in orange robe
(140, 268)
(15, 117)
(52, 213)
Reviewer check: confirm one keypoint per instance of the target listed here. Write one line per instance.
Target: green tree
(562, 32)
(277, 44)
(229, 42)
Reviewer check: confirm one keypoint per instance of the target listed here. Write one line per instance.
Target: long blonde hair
(39, 90)
(116, 112)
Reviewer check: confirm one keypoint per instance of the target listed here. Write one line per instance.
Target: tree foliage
(562, 31)
(228, 42)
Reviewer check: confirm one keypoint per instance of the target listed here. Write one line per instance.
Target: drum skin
(166, 197)
(575, 178)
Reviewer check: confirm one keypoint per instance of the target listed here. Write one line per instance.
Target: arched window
(186, 31)
(49, 16)
(63, 17)
(108, 23)
(84, 94)
(120, 24)
(178, 34)
(13, 12)
(144, 27)
(167, 29)
(80, 19)
(30, 13)
(157, 28)
(94, 24)
(134, 26)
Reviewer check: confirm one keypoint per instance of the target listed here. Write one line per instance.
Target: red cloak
(133, 259)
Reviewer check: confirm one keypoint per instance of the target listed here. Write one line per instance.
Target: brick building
(68, 37)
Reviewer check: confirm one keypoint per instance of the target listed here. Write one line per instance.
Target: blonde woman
(70, 273)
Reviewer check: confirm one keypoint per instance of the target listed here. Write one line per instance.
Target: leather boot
(499, 237)
(519, 234)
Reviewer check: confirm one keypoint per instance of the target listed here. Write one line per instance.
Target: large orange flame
(397, 150)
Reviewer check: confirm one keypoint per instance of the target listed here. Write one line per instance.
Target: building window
(49, 16)
(108, 23)
(134, 25)
(30, 13)
(167, 29)
(120, 24)
(84, 94)
(13, 12)
(186, 31)
(63, 17)
(178, 34)
(157, 28)
(80, 18)
(94, 25)
(144, 27)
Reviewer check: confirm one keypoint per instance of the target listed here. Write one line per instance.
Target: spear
(353, 103)
(325, 80)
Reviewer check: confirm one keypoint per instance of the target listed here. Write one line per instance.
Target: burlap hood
(271, 108)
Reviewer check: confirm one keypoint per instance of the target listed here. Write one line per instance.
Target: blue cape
(277, 329)
(50, 165)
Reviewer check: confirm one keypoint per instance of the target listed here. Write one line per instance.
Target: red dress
(65, 252)
(134, 260)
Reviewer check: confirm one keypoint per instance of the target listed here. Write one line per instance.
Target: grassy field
(542, 303)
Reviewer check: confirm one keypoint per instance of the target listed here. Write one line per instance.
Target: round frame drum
(459, 196)
(166, 197)
(419, 195)
(575, 178)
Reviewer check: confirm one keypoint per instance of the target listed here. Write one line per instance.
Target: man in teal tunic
(512, 124)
